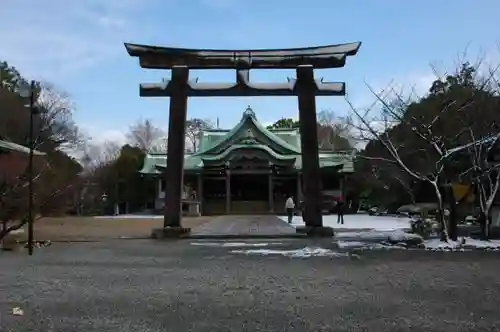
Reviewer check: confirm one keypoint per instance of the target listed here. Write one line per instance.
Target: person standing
(340, 211)
(290, 207)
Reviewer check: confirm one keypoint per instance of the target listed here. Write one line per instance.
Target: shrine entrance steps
(245, 226)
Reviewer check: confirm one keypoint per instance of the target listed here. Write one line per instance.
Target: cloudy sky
(78, 45)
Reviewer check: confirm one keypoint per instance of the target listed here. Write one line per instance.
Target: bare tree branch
(194, 127)
(334, 132)
(98, 155)
(144, 135)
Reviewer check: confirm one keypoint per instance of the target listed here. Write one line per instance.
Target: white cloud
(111, 22)
(50, 39)
(53, 40)
(117, 136)
(98, 135)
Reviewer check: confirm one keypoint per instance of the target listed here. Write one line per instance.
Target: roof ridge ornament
(249, 113)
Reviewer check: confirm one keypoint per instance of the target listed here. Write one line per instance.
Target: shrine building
(249, 169)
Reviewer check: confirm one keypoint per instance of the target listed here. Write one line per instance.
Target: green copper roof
(154, 163)
(248, 124)
(281, 145)
(235, 147)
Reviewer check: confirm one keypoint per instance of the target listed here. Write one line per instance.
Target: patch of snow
(16, 311)
(367, 246)
(438, 244)
(350, 244)
(461, 244)
(305, 252)
(131, 216)
(359, 221)
(234, 244)
(365, 236)
(377, 236)
(482, 244)
(400, 236)
(398, 240)
(374, 240)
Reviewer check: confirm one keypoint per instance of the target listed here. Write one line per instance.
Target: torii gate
(179, 88)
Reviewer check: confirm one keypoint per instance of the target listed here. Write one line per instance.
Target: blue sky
(79, 48)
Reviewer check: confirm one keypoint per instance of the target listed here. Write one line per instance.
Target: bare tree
(432, 153)
(99, 155)
(54, 129)
(95, 160)
(482, 173)
(50, 193)
(482, 136)
(55, 114)
(160, 146)
(194, 127)
(334, 132)
(391, 172)
(145, 135)
(53, 124)
(414, 145)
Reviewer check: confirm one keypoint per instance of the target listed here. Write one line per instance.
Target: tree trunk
(482, 222)
(442, 222)
(452, 221)
(3, 232)
(442, 229)
(487, 227)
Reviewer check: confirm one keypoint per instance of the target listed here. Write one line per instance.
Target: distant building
(13, 160)
(249, 169)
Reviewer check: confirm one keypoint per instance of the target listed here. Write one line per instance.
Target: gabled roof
(249, 151)
(213, 141)
(249, 136)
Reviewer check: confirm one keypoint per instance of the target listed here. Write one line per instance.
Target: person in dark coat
(340, 211)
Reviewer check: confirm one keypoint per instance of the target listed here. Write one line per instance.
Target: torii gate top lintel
(320, 57)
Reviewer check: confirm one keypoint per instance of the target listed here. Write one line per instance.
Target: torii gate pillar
(174, 174)
(306, 88)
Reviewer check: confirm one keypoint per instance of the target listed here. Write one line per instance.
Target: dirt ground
(89, 228)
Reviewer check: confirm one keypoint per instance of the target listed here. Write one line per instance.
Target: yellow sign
(461, 190)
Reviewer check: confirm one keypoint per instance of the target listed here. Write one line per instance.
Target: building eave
(11, 146)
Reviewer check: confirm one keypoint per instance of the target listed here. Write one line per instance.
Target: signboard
(461, 190)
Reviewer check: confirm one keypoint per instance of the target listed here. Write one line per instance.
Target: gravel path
(142, 285)
(244, 225)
